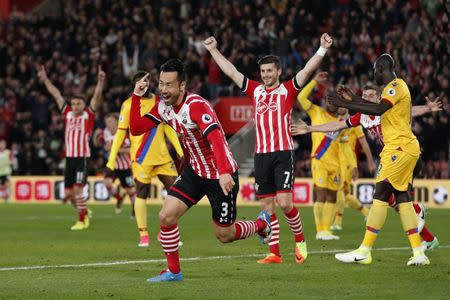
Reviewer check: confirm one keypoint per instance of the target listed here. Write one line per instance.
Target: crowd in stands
(124, 36)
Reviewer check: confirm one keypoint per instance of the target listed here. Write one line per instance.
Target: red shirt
(193, 120)
(369, 122)
(272, 114)
(78, 131)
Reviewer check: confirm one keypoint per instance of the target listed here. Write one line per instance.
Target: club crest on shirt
(394, 158)
(391, 92)
(207, 119)
(256, 187)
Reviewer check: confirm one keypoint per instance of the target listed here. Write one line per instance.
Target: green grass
(39, 235)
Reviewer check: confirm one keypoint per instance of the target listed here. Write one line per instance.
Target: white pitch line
(130, 262)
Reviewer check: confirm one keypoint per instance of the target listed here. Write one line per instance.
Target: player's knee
(142, 190)
(225, 236)
(166, 218)
(285, 204)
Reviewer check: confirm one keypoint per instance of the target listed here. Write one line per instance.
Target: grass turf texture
(39, 235)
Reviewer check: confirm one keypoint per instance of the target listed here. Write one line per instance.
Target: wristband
(321, 51)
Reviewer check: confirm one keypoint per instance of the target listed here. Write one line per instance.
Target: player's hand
(326, 41)
(142, 85)
(335, 99)
(321, 76)
(371, 165)
(210, 43)
(355, 174)
(345, 92)
(301, 128)
(226, 183)
(101, 74)
(434, 105)
(42, 74)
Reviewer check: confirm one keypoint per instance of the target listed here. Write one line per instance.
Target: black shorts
(125, 177)
(190, 188)
(4, 179)
(75, 172)
(274, 172)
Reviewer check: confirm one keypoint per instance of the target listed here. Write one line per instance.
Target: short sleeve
(292, 86)
(124, 117)
(249, 86)
(66, 109)
(203, 115)
(354, 120)
(392, 93)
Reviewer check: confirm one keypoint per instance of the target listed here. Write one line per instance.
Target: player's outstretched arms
(303, 128)
(139, 124)
(95, 101)
(431, 106)
(313, 63)
(225, 65)
(358, 104)
(53, 90)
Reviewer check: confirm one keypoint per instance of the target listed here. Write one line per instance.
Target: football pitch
(40, 258)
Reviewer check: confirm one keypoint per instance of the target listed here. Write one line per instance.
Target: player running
(79, 124)
(211, 171)
(273, 102)
(149, 155)
(397, 160)
(5, 171)
(373, 125)
(122, 169)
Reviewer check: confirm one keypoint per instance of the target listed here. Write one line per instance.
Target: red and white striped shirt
(369, 122)
(78, 131)
(272, 114)
(123, 160)
(193, 120)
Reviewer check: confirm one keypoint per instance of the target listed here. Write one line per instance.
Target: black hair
(175, 65)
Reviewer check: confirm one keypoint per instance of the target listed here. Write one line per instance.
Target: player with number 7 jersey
(211, 171)
(273, 102)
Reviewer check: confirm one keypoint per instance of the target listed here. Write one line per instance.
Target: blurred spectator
(124, 36)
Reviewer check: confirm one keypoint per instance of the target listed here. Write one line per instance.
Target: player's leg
(375, 221)
(79, 197)
(340, 203)
(185, 193)
(319, 175)
(69, 181)
(329, 208)
(113, 191)
(265, 193)
(127, 182)
(284, 181)
(142, 179)
(354, 203)
(224, 214)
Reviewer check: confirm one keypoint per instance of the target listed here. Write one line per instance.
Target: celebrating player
(122, 169)
(398, 158)
(5, 170)
(324, 163)
(149, 156)
(79, 124)
(211, 171)
(274, 164)
(373, 126)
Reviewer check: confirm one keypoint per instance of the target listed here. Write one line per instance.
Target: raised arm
(302, 97)
(432, 105)
(313, 63)
(140, 124)
(303, 128)
(95, 101)
(225, 65)
(53, 90)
